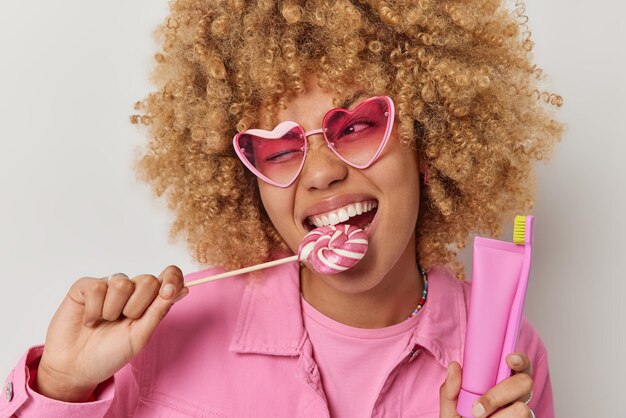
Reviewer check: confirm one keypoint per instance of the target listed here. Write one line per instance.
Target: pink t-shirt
(354, 362)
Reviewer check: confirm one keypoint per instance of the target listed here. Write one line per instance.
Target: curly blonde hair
(466, 92)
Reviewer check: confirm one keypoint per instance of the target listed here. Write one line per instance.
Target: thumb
(449, 392)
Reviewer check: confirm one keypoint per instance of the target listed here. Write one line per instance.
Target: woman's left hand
(504, 400)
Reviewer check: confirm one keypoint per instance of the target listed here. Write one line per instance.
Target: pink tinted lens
(358, 135)
(277, 159)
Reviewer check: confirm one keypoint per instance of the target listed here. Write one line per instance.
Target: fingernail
(180, 296)
(516, 360)
(168, 291)
(478, 409)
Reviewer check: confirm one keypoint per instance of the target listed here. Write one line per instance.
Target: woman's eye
(355, 128)
(283, 156)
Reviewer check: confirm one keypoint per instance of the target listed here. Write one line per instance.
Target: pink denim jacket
(237, 348)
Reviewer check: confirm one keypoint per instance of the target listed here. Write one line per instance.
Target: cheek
(400, 163)
(400, 171)
(398, 179)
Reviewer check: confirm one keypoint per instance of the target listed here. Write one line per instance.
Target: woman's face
(326, 184)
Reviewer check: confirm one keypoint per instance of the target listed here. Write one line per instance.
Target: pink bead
(331, 249)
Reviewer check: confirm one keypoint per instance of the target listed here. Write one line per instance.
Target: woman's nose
(322, 168)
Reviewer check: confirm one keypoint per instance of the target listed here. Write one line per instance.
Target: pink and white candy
(331, 249)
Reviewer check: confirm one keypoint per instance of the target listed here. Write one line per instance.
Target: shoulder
(445, 276)
(448, 286)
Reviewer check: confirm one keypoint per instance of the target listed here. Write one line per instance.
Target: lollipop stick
(243, 270)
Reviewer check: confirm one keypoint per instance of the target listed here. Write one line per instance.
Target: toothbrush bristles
(519, 229)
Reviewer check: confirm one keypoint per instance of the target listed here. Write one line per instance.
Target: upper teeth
(342, 214)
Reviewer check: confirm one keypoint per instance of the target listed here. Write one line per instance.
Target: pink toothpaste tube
(500, 272)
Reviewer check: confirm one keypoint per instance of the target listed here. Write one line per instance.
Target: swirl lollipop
(332, 250)
(329, 250)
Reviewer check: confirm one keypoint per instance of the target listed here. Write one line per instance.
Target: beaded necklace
(422, 300)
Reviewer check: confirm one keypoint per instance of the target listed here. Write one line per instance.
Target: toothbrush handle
(513, 327)
(517, 309)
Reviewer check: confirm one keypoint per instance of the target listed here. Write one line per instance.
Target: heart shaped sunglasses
(356, 136)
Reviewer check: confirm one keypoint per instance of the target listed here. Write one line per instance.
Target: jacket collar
(270, 318)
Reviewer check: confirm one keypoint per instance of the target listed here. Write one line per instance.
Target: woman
(452, 86)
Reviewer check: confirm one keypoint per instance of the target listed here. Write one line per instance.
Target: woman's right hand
(99, 327)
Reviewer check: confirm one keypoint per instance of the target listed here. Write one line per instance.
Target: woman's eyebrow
(353, 98)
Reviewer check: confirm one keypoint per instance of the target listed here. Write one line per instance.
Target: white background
(70, 205)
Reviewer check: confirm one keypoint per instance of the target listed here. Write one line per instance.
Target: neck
(388, 302)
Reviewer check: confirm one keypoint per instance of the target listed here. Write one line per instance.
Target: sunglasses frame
(291, 124)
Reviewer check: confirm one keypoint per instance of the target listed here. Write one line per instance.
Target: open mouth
(359, 214)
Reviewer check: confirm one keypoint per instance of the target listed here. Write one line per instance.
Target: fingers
(119, 290)
(449, 392)
(510, 390)
(519, 363)
(172, 283)
(171, 291)
(517, 410)
(146, 288)
(120, 297)
(93, 293)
